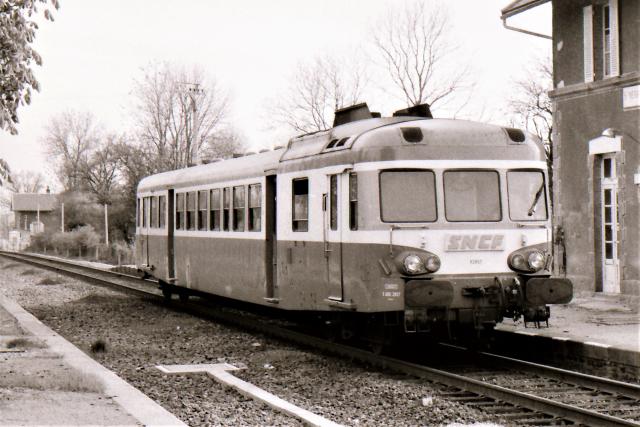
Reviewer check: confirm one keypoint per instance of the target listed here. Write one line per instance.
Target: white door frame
(609, 224)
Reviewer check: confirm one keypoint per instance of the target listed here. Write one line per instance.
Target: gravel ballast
(131, 335)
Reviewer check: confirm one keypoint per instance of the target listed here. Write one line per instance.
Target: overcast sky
(94, 50)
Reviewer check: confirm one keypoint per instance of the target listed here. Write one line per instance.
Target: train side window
(300, 201)
(145, 211)
(191, 210)
(162, 211)
(214, 210)
(333, 202)
(226, 209)
(353, 201)
(154, 212)
(255, 209)
(202, 210)
(238, 208)
(180, 211)
(138, 222)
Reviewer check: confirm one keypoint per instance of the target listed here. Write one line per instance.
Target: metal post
(106, 226)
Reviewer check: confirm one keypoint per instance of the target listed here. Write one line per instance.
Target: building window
(202, 210)
(606, 42)
(353, 201)
(180, 211)
(226, 209)
(255, 209)
(238, 208)
(214, 210)
(162, 211)
(154, 212)
(300, 201)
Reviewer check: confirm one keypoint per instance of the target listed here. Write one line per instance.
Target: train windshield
(408, 196)
(472, 195)
(527, 199)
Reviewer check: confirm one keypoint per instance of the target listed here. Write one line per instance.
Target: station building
(596, 140)
(34, 212)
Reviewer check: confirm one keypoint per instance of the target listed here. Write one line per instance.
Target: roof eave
(520, 6)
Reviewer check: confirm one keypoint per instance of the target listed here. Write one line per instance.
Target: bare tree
(417, 53)
(178, 112)
(28, 182)
(17, 33)
(70, 139)
(319, 88)
(530, 106)
(101, 171)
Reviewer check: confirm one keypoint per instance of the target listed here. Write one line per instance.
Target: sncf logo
(474, 242)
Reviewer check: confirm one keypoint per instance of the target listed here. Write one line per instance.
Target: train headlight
(536, 260)
(433, 263)
(529, 259)
(413, 264)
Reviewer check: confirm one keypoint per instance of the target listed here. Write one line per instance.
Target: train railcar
(378, 225)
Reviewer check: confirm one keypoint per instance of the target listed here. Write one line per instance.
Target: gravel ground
(138, 334)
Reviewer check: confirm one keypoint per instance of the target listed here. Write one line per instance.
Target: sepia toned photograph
(320, 213)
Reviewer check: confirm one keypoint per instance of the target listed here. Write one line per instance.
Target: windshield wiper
(532, 209)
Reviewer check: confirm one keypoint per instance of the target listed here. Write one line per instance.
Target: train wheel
(184, 297)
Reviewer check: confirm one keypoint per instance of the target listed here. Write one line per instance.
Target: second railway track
(519, 392)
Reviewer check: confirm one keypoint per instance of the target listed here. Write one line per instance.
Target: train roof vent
(421, 110)
(516, 135)
(412, 134)
(351, 114)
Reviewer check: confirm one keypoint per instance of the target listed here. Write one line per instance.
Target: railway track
(521, 393)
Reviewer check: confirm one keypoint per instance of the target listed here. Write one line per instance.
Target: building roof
(519, 6)
(22, 202)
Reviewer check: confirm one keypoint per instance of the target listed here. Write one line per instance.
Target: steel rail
(559, 410)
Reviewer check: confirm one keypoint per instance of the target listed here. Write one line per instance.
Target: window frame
(179, 209)
(546, 205)
(252, 209)
(444, 194)
(213, 224)
(162, 211)
(236, 208)
(295, 223)
(353, 201)
(435, 195)
(202, 214)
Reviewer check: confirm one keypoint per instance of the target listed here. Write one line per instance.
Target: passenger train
(379, 226)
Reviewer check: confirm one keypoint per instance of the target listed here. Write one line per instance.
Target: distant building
(33, 212)
(596, 140)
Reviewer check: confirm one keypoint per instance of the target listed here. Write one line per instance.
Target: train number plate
(474, 242)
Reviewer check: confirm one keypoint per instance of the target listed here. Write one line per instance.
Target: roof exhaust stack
(352, 114)
(420, 110)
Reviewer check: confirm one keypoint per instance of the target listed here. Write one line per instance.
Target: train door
(333, 237)
(146, 205)
(609, 226)
(171, 263)
(271, 240)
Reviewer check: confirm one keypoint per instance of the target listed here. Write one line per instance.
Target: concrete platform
(595, 330)
(45, 380)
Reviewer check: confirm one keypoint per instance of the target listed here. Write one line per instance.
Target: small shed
(33, 209)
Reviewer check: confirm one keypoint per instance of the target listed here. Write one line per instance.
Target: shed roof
(519, 6)
(22, 202)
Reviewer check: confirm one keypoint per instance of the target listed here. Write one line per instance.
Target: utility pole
(106, 226)
(193, 91)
